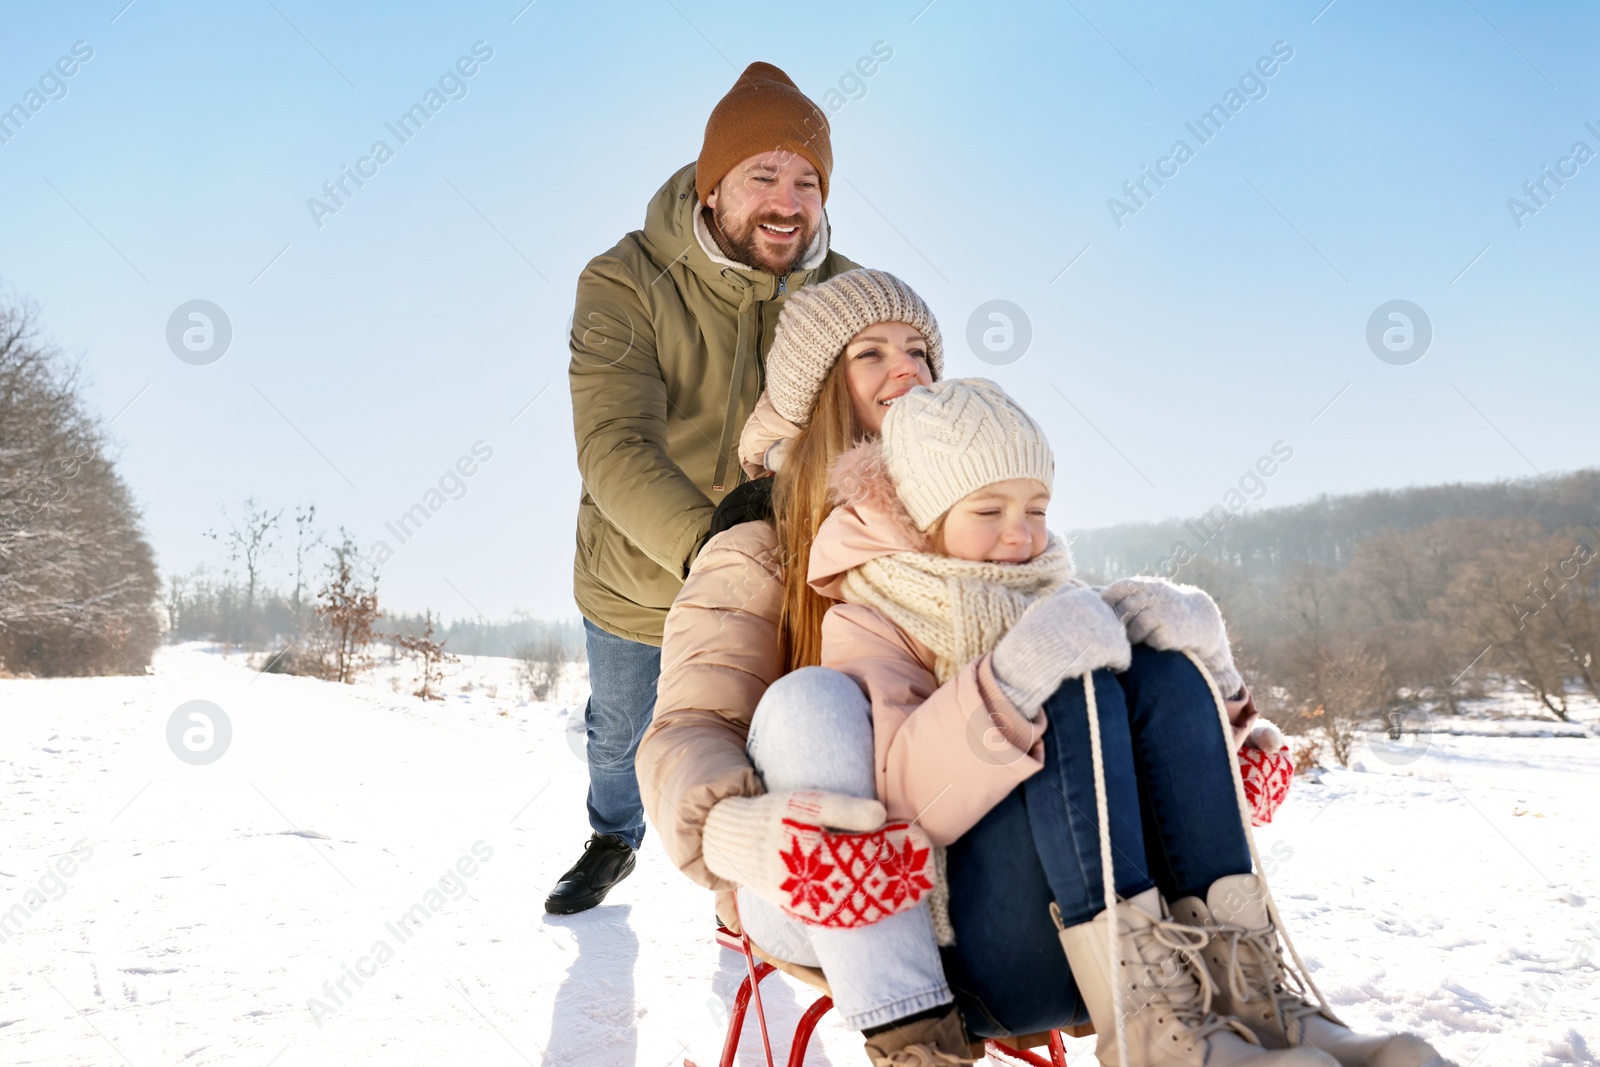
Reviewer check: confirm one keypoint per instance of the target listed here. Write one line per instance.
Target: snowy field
(251, 910)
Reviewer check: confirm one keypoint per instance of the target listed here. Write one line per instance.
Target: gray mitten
(1162, 614)
(1064, 635)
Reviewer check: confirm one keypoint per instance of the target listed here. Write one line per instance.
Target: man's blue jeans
(1174, 824)
(622, 697)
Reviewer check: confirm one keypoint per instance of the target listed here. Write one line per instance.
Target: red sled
(758, 964)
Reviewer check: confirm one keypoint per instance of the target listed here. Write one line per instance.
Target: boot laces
(1179, 981)
(1257, 969)
(594, 851)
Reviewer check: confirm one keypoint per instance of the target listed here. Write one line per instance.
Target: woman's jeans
(1174, 824)
(813, 730)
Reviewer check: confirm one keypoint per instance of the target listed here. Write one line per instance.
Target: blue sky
(1228, 313)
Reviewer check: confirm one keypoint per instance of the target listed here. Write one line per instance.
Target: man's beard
(745, 247)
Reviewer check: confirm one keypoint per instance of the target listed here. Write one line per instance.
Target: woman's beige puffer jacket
(719, 652)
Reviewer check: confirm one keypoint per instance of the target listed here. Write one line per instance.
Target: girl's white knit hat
(818, 321)
(946, 440)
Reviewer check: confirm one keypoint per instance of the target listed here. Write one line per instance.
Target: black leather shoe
(607, 860)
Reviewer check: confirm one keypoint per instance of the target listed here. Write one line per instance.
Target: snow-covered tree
(78, 585)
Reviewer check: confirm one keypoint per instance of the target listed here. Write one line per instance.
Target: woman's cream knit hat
(819, 320)
(948, 439)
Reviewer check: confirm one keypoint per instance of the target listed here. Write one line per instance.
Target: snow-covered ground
(249, 910)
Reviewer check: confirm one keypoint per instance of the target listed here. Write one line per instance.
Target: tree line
(1370, 608)
(78, 580)
(325, 620)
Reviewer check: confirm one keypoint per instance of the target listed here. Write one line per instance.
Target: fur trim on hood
(868, 520)
(860, 480)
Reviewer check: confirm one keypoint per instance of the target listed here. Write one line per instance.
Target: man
(668, 342)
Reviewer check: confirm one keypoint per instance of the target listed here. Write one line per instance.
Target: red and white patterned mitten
(826, 859)
(1266, 780)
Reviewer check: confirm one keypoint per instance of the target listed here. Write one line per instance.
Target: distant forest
(1375, 605)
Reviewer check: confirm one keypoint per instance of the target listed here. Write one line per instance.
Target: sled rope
(1107, 878)
(1249, 834)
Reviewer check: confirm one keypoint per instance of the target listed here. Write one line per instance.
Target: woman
(745, 719)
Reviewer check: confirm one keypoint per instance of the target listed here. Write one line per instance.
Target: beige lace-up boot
(1258, 985)
(1166, 995)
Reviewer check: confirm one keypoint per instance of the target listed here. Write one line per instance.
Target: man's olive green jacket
(669, 340)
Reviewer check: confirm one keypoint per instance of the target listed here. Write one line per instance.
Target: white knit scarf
(958, 608)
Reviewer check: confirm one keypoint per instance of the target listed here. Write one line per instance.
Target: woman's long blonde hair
(800, 501)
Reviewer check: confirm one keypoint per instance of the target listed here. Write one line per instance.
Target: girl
(960, 620)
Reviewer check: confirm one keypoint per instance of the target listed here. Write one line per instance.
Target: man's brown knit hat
(817, 323)
(763, 112)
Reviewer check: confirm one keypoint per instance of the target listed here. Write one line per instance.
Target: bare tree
(1571, 590)
(248, 539)
(431, 659)
(177, 591)
(1492, 596)
(348, 611)
(1336, 690)
(306, 538)
(1397, 582)
(539, 666)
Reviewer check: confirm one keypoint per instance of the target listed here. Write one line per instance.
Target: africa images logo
(452, 85)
